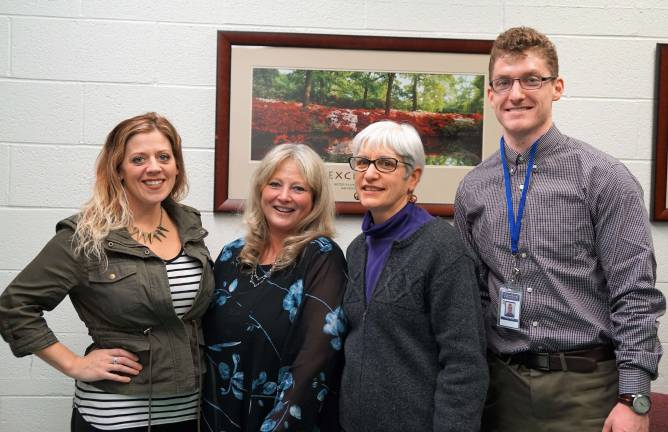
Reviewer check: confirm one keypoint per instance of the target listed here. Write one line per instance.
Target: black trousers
(78, 424)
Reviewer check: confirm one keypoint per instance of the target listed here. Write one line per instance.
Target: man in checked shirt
(560, 230)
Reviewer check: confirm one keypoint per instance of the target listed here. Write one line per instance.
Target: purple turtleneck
(379, 239)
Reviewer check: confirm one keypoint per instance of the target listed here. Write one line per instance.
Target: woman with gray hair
(415, 351)
(274, 330)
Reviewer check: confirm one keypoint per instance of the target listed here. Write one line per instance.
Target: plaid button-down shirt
(586, 257)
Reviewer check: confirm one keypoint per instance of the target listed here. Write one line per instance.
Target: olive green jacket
(124, 304)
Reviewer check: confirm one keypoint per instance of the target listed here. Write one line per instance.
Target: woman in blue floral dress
(274, 330)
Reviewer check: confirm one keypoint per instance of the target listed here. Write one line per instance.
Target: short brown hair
(517, 40)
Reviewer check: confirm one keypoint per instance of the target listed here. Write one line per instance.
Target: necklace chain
(256, 280)
(156, 234)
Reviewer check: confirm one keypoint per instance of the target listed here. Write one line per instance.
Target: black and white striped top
(109, 411)
(587, 266)
(185, 274)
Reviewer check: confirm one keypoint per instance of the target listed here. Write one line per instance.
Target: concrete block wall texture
(71, 69)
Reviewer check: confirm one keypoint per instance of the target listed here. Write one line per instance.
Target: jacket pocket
(137, 344)
(115, 273)
(116, 290)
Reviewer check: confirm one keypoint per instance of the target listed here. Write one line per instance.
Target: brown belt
(575, 361)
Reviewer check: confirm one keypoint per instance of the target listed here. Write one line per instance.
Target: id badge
(510, 304)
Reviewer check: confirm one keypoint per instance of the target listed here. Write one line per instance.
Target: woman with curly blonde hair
(136, 269)
(274, 330)
(108, 209)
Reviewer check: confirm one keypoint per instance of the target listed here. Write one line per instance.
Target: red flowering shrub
(291, 118)
(275, 122)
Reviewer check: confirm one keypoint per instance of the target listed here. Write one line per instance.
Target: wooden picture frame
(660, 179)
(244, 55)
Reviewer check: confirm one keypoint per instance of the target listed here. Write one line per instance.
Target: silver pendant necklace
(256, 280)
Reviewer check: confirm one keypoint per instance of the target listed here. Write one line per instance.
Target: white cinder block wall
(72, 69)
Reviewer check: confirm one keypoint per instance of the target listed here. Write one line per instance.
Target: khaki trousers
(528, 400)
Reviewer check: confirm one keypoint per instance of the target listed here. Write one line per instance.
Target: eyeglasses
(501, 85)
(384, 164)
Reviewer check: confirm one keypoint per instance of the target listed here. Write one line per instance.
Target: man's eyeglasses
(501, 85)
(384, 164)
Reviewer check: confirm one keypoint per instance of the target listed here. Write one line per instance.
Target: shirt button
(112, 276)
(512, 171)
(202, 231)
(146, 251)
(520, 159)
(524, 254)
(535, 323)
(529, 289)
(535, 168)
(522, 187)
(110, 244)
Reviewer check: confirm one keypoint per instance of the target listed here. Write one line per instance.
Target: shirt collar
(546, 144)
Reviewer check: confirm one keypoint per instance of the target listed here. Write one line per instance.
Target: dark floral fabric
(273, 351)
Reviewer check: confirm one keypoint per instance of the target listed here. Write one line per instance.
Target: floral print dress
(273, 349)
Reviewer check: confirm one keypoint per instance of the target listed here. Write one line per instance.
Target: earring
(412, 198)
(356, 196)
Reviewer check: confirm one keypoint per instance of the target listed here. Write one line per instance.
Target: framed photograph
(661, 140)
(320, 90)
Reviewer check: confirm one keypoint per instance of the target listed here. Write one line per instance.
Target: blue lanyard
(515, 225)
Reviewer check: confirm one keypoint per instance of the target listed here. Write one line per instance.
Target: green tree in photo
(264, 84)
(444, 93)
(433, 91)
(465, 95)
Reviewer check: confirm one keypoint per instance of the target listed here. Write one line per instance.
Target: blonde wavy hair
(319, 222)
(108, 208)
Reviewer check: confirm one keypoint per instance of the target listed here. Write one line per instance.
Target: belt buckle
(543, 361)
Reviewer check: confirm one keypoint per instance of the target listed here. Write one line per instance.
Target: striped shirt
(109, 411)
(184, 275)
(587, 266)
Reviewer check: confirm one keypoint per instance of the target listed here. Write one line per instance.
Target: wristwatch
(639, 403)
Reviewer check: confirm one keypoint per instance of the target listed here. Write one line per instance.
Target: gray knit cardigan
(415, 355)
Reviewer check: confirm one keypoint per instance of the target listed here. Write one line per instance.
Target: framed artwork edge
(226, 40)
(660, 177)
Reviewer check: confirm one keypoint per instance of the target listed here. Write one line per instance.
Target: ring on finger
(114, 360)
